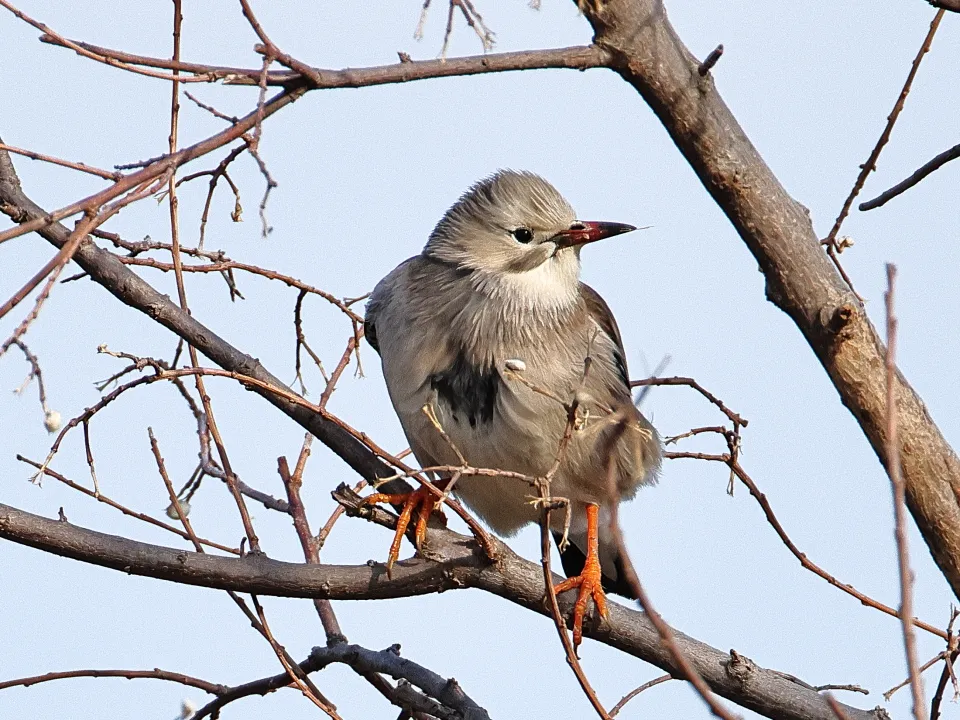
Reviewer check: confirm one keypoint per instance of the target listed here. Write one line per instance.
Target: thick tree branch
(450, 561)
(800, 279)
(952, 5)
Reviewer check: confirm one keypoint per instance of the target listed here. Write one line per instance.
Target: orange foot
(421, 501)
(589, 579)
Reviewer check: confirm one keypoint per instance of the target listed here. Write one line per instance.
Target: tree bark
(800, 279)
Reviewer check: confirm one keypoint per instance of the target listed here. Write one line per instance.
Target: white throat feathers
(552, 287)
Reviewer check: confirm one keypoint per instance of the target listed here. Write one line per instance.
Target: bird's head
(515, 229)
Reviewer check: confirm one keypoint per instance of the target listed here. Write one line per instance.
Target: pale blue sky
(363, 176)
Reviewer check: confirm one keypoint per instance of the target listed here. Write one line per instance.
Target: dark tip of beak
(588, 231)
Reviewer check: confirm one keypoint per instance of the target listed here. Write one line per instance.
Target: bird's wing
(573, 556)
(385, 296)
(601, 314)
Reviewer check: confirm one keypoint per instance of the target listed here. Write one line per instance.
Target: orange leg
(420, 500)
(589, 579)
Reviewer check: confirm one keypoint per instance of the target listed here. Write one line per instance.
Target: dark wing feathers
(370, 332)
(600, 312)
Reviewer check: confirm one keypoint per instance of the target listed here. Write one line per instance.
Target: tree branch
(918, 175)
(647, 53)
(951, 5)
(578, 57)
(447, 692)
(450, 561)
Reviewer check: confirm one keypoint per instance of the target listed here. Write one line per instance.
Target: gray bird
(472, 330)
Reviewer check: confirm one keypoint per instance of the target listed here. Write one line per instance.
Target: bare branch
(636, 691)
(571, 58)
(899, 505)
(157, 168)
(918, 175)
(155, 674)
(125, 510)
(871, 164)
(82, 167)
(446, 691)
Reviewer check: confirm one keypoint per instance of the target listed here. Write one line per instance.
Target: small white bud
(172, 510)
(844, 242)
(515, 365)
(51, 421)
(187, 709)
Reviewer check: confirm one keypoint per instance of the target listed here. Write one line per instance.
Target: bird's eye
(523, 235)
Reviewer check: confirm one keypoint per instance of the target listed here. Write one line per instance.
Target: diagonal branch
(800, 279)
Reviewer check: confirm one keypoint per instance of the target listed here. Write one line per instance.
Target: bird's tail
(573, 559)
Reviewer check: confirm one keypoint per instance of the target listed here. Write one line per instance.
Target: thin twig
(311, 552)
(156, 170)
(871, 164)
(805, 561)
(691, 383)
(296, 673)
(80, 49)
(899, 501)
(155, 674)
(36, 373)
(174, 500)
(918, 175)
(337, 372)
(82, 167)
(577, 58)
(223, 265)
(710, 60)
(334, 516)
(230, 477)
(629, 575)
(636, 691)
(122, 508)
(922, 669)
(953, 650)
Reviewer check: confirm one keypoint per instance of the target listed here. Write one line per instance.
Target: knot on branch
(740, 668)
(837, 320)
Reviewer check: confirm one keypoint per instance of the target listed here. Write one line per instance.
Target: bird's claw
(589, 583)
(421, 501)
(589, 580)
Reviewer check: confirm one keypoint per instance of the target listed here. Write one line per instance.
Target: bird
(488, 340)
